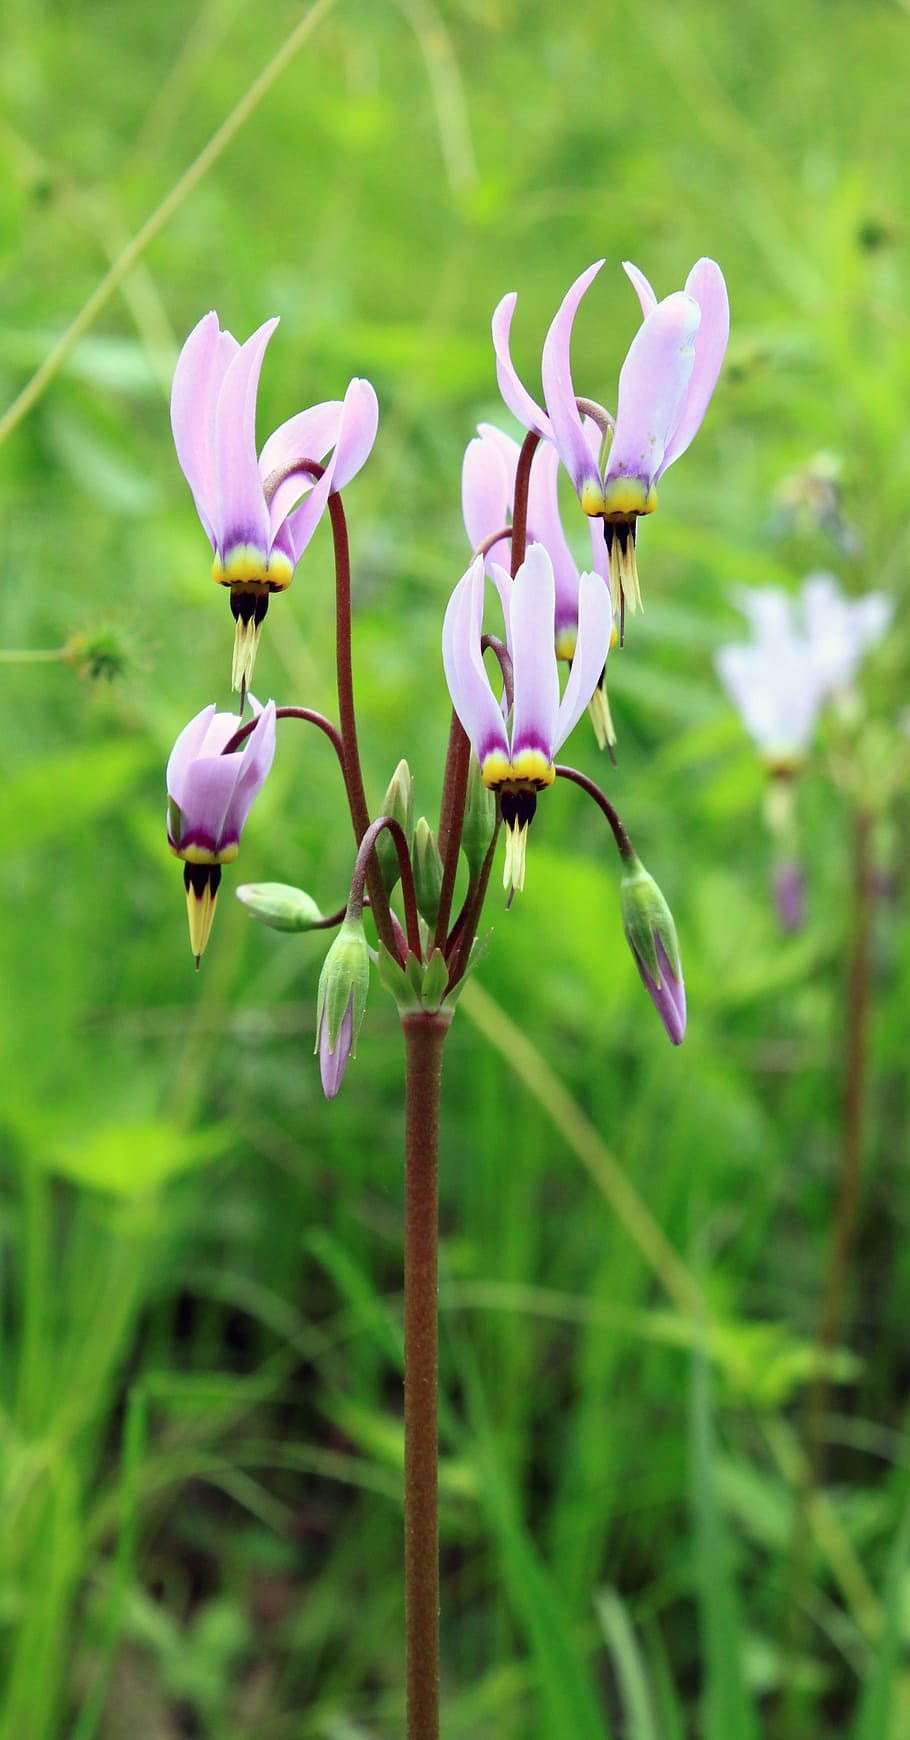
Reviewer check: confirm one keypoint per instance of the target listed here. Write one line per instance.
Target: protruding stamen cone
(620, 541)
(601, 717)
(248, 610)
(513, 875)
(201, 882)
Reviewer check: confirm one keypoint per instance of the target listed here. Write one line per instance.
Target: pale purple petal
(669, 997)
(515, 395)
(241, 514)
(705, 284)
(545, 527)
(789, 887)
(185, 751)
(595, 626)
(641, 287)
(486, 498)
(214, 792)
(469, 684)
(559, 392)
(652, 389)
(332, 1064)
(536, 676)
(357, 431)
(357, 427)
(309, 435)
(200, 370)
(465, 670)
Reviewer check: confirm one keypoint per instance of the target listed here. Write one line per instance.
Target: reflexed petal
(242, 516)
(545, 527)
(559, 392)
(595, 627)
(706, 284)
(309, 435)
(255, 758)
(641, 287)
(469, 685)
(652, 389)
(486, 498)
(776, 693)
(357, 427)
(536, 676)
(201, 367)
(516, 397)
(185, 751)
(357, 431)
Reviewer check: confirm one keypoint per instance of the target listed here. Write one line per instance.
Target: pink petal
(357, 432)
(652, 389)
(516, 397)
(309, 435)
(486, 496)
(641, 287)
(595, 626)
(469, 685)
(241, 514)
(536, 677)
(559, 392)
(185, 751)
(200, 370)
(705, 284)
(545, 527)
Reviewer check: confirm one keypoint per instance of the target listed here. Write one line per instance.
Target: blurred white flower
(803, 651)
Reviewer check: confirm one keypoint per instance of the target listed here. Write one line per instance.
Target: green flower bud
(399, 804)
(651, 935)
(343, 985)
(479, 819)
(280, 905)
(427, 872)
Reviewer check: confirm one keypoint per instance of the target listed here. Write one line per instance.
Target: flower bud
(789, 888)
(342, 1000)
(280, 905)
(427, 872)
(651, 935)
(399, 804)
(479, 819)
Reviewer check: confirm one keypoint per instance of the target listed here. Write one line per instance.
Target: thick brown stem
(424, 1038)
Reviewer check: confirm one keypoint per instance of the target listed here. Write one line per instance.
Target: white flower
(803, 651)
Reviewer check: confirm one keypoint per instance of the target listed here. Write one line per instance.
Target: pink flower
(258, 513)
(665, 385)
(209, 796)
(518, 763)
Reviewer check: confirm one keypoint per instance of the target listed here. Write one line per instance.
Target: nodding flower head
(259, 513)
(517, 763)
(665, 385)
(487, 497)
(209, 796)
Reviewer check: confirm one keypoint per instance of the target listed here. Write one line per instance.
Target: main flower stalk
(424, 1037)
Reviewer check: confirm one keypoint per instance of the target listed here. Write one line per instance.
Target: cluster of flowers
(260, 512)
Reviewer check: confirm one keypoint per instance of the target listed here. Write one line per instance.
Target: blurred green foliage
(201, 1441)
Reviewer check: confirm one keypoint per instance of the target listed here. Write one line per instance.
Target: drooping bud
(399, 804)
(427, 872)
(280, 905)
(479, 819)
(651, 935)
(341, 1004)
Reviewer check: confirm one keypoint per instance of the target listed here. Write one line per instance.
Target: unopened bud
(651, 935)
(342, 1001)
(399, 804)
(280, 905)
(479, 819)
(427, 871)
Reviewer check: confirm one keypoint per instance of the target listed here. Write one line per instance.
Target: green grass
(200, 1388)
